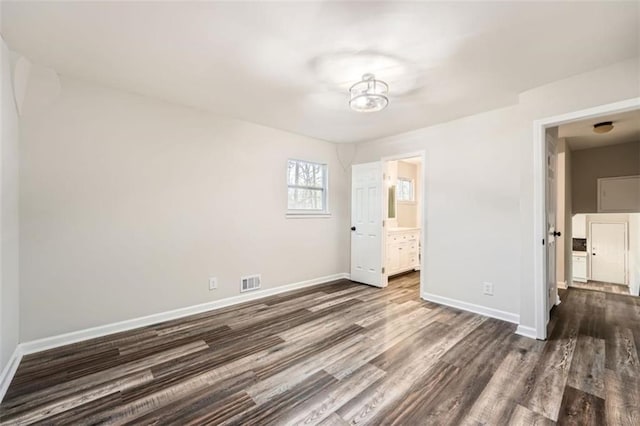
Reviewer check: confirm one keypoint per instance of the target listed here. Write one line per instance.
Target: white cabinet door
(402, 251)
(393, 258)
(619, 194)
(404, 256)
(579, 226)
(579, 268)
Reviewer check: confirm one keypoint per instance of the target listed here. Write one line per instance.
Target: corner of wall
(9, 219)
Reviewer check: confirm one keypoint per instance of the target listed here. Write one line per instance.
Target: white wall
(129, 204)
(472, 211)
(479, 188)
(606, 161)
(9, 290)
(407, 211)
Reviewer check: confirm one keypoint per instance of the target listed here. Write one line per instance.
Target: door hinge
(383, 269)
(543, 241)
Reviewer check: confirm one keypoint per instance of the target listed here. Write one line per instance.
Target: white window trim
(413, 190)
(310, 214)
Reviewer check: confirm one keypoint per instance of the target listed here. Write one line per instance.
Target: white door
(366, 224)
(551, 201)
(608, 252)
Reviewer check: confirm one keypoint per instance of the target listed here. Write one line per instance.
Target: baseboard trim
(103, 330)
(525, 331)
(562, 284)
(476, 309)
(9, 371)
(39, 345)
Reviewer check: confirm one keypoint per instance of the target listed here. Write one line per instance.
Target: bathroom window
(307, 187)
(405, 190)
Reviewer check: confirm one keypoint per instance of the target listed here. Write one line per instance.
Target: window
(405, 190)
(307, 187)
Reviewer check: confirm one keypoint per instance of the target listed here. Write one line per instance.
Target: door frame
(539, 197)
(604, 221)
(423, 214)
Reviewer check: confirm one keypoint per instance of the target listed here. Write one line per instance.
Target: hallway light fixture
(369, 94)
(604, 127)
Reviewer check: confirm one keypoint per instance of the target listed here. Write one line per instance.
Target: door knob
(556, 233)
(353, 228)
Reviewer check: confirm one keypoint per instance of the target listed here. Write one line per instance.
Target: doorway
(608, 255)
(387, 211)
(548, 229)
(402, 223)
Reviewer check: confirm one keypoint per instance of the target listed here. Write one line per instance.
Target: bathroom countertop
(402, 229)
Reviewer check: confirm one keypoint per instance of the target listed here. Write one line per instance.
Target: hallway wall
(591, 164)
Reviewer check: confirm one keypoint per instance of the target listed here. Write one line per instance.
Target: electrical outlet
(213, 283)
(487, 288)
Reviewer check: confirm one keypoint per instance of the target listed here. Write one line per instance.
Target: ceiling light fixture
(369, 94)
(604, 127)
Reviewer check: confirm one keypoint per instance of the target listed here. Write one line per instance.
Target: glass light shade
(369, 95)
(604, 127)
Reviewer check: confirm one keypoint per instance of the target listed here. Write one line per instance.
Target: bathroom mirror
(392, 203)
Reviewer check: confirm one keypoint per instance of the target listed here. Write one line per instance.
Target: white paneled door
(366, 224)
(608, 252)
(552, 232)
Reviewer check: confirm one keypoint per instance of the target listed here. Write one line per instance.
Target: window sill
(308, 215)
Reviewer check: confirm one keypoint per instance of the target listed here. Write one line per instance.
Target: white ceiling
(287, 65)
(580, 135)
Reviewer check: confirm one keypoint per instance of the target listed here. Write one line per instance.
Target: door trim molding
(423, 212)
(539, 193)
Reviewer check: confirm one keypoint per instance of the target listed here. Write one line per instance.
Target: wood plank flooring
(601, 286)
(341, 354)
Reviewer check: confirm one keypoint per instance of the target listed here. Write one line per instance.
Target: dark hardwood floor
(601, 286)
(344, 353)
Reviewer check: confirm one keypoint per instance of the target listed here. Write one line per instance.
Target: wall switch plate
(213, 283)
(487, 288)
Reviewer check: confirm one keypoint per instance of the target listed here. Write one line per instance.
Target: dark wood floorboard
(345, 354)
(601, 286)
